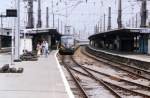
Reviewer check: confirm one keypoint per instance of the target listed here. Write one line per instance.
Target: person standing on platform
(57, 45)
(43, 48)
(46, 49)
(38, 48)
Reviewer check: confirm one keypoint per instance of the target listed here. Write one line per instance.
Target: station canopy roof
(122, 31)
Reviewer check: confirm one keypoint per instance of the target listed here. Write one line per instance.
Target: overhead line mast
(30, 22)
(47, 17)
(143, 13)
(119, 20)
(109, 19)
(39, 22)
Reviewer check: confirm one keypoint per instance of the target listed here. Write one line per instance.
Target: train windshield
(67, 39)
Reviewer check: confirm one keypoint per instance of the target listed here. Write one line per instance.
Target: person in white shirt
(46, 48)
(43, 48)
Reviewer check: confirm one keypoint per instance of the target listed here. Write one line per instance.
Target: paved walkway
(140, 57)
(41, 79)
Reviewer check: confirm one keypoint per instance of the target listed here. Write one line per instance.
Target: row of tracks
(114, 88)
(139, 72)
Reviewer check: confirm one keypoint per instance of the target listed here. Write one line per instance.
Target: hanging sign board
(141, 30)
(11, 13)
(134, 30)
(146, 30)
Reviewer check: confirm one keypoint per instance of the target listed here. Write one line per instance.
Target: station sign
(11, 13)
(134, 30)
(144, 30)
(141, 30)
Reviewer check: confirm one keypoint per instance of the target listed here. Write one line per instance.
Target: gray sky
(81, 15)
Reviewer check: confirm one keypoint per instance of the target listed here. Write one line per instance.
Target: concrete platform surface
(139, 57)
(41, 79)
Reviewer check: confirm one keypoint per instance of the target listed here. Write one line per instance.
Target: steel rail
(91, 55)
(109, 83)
(106, 82)
(75, 79)
(120, 79)
(123, 64)
(99, 80)
(135, 92)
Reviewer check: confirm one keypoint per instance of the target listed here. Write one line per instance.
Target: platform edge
(67, 87)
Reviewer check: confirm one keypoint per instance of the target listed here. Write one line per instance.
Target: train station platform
(41, 79)
(136, 56)
(133, 59)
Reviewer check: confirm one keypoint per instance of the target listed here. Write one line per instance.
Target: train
(67, 45)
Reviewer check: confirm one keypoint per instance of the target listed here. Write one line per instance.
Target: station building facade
(31, 37)
(5, 37)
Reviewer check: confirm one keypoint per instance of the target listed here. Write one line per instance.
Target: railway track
(88, 74)
(67, 66)
(113, 86)
(118, 88)
(141, 73)
(119, 79)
